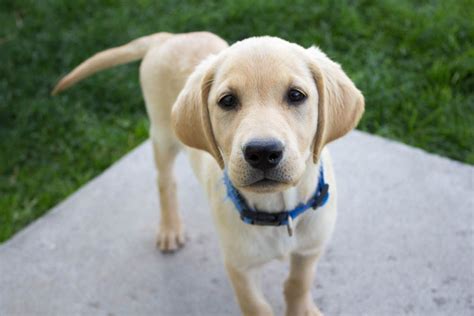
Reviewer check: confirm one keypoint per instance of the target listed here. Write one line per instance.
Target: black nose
(263, 154)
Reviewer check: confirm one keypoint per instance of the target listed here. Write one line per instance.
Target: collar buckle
(264, 218)
(321, 198)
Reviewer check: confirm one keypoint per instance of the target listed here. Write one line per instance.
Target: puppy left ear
(340, 104)
(190, 113)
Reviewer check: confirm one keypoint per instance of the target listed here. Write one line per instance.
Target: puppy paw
(304, 308)
(170, 239)
(313, 311)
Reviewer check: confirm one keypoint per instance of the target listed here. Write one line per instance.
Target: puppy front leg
(298, 286)
(246, 284)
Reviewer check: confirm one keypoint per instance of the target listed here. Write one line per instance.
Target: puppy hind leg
(171, 229)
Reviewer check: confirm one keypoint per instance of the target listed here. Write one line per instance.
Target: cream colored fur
(183, 78)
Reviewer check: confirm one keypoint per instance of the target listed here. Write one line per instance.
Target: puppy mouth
(266, 184)
(263, 181)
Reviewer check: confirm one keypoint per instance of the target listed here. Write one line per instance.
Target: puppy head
(264, 108)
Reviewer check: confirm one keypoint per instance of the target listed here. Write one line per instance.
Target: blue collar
(256, 217)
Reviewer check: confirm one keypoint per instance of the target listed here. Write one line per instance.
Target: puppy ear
(190, 113)
(341, 104)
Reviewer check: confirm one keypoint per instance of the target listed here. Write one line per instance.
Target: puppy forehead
(262, 63)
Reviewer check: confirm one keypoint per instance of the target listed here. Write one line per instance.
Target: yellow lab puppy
(255, 118)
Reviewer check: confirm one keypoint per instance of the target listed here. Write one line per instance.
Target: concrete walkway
(403, 244)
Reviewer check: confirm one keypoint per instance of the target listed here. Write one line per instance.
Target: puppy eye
(295, 96)
(228, 102)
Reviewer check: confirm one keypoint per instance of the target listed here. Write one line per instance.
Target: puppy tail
(135, 50)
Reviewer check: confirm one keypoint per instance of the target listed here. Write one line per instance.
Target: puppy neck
(289, 198)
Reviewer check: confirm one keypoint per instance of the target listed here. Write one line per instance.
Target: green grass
(414, 63)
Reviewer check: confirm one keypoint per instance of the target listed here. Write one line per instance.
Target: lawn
(413, 60)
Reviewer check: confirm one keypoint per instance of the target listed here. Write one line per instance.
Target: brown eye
(295, 96)
(228, 102)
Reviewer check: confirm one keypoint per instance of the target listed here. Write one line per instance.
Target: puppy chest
(262, 243)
